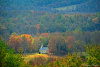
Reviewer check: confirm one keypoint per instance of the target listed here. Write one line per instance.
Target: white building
(43, 50)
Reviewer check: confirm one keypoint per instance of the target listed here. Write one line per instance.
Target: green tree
(8, 58)
(3, 51)
(94, 54)
(2, 29)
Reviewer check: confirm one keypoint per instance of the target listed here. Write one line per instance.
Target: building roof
(43, 48)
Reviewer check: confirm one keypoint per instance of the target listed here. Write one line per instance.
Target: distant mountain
(52, 5)
(90, 6)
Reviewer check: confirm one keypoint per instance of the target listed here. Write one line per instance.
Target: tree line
(57, 42)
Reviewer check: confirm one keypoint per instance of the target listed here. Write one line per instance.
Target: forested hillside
(61, 33)
(90, 6)
(53, 6)
(26, 22)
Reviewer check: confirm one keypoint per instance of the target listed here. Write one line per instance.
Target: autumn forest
(72, 39)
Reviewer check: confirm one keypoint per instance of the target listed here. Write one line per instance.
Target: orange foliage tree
(70, 40)
(45, 35)
(27, 41)
(15, 42)
(32, 11)
(95, 20)
(57, 45)
(52, 45)
(44, 38)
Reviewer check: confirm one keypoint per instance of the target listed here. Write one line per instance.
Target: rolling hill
(53, 6)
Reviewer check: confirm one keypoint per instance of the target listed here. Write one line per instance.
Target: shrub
(38, 60)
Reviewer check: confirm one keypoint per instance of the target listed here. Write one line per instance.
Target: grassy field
(67, 8)
(28, 57)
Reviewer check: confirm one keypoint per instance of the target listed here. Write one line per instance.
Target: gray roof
(43, 48)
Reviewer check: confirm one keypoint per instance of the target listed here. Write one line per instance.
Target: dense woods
(66, 33)
(69, 29)
(48, 22)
